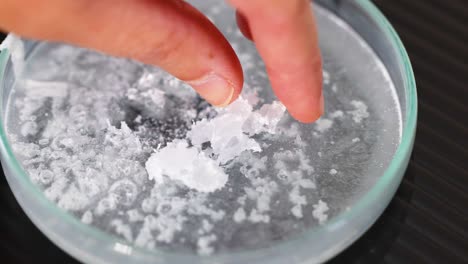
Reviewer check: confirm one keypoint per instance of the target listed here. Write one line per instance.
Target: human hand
(176, 37)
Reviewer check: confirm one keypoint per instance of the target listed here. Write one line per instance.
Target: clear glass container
(313, 245)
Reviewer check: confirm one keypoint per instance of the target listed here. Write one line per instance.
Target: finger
(286, 37)
(170, 34)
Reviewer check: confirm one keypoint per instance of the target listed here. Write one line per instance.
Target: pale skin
(178, 38)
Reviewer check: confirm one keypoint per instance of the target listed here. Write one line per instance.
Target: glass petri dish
(315, 244)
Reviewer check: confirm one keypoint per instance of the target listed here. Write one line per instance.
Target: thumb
(170, 34)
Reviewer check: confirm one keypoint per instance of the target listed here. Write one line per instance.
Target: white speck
(123, 249)
(256, 217)
(333, 171)
(204, 245)
(360, 113)
(43, 141)
(239, 215)
(334, 88)
(319, 211)
(326, 77)
(122, 229)
(337, 114)
(87, 217)
(356, 140)
(138, 119)
(323, 124)
(28, 128)
(134, 215)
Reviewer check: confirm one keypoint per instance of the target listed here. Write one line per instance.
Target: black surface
(427, 221)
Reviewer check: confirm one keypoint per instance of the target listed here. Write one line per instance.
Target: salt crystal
(134, 215)
(297, 211)
(45, 177)
(356, 140)
(224, 132)
(87, 217)
(257, 217)
(323, 124)
(204, 245)
(251, 97)
(319, 211)
(73, 199)
(122, 229)
(326, 77)
(298, 201)
(105, 205)
(333, 171)
(29, 128)
(360, 113)
(43, 141)
(56, 189)
(239, 215)
(186, 164)
(16, 47)
(334, 88)
(125, 191)
(337, 114)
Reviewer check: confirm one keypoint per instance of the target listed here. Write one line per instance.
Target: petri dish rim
(392, 173)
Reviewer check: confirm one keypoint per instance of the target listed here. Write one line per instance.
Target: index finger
(285, 35)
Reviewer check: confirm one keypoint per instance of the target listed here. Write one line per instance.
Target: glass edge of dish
(398, 161)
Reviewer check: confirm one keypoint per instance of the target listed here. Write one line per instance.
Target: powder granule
(186, 164)
(228, 134)
(319, 211)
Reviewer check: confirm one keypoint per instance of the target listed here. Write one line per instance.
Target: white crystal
(186, 164)
(319, 211)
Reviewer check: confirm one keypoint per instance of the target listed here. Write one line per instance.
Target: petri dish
(310, 192)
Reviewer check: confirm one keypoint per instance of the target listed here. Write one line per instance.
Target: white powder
(334, 88)
(228, 134)
(16, 47)
(204, 245)
(360, 113)
(29, 128)
(134, 215)
(337, 114)
(323, 124)
(239, 215)
(319, 211)
(326, 77)
(257, 217)
(333, 171)
(186, 164)
(356, 140)
(87, 217)
(122, 229)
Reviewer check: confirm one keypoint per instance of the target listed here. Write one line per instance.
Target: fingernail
(215, 89)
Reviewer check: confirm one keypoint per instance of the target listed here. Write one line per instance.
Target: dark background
(427, 221)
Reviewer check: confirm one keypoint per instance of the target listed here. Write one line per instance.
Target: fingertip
(308, 112)
(216, 89)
